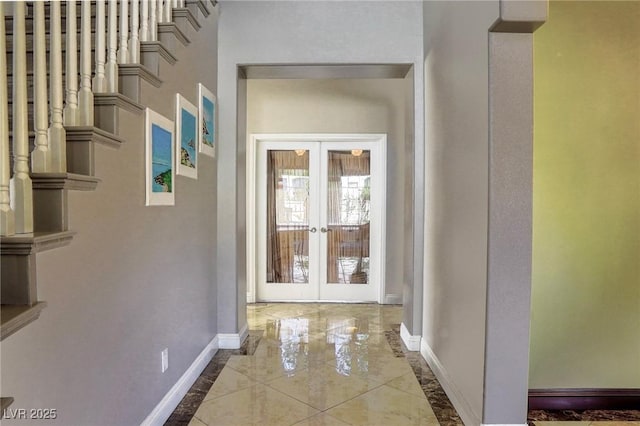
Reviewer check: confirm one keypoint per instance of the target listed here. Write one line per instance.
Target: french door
(319, 220)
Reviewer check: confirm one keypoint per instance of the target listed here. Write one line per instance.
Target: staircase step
(186, 21)
(18, 272)
(172, 36)
(198, 6)
(5, 402)
(107, 107)
(12, 319)
(154, 55)
(131, 78)
(69, 181)
(35, 242)
(50, 198)
(81, 147)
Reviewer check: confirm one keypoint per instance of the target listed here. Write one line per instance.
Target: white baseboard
(504, 424)
(468, 416)
(168, 404)
(411, 342)
(232, 340)
(393, 299)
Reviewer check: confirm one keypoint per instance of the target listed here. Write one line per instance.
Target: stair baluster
(40, 157)
(167, 11)
(153, 20)
(7, 219)
(123, 52)
(71, 103)
(160, 11)
(112, 64)
(57, 134)
(20, 185)
(99, 82)
(134, 43)
(85, 96)
(144, 20)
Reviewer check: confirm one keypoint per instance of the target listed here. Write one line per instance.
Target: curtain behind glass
(287, 217)
(349, 201)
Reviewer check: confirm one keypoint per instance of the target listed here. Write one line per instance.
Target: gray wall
(343, 106)
(134, 280)
(456, 194)
(273, 32)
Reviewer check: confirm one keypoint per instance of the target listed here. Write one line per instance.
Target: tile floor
(334, 364)
(318, 364)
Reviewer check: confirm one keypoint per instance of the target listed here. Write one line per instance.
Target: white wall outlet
(165, 359)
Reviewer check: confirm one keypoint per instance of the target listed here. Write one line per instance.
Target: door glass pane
(287, 216)
(349, 201)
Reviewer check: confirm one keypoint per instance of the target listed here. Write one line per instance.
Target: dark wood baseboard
(584, 399)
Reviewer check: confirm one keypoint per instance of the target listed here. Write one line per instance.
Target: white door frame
(254, 139)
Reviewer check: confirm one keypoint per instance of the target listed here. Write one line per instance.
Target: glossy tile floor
(334, 364)
(318, 364)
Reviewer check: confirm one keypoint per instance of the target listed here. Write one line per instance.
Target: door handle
(312, 230)
(324, 230)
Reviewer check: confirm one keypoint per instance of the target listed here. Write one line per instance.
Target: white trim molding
(411, 342)
(504, 424)
(232, 340)
(165, 407)
(393, 299)
(467, 414)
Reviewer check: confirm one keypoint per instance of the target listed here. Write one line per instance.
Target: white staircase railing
(57, 133)
(21, 191)
(71, 102)
(85, 96)
(119, 30)
(99, 80)
(7, 220)
(123, 52)
(40, 157)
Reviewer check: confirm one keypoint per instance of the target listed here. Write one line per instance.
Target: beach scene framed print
(159, 151)
(207, 120)
(186, 138)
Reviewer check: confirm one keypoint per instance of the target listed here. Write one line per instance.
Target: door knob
(314, 229)
(323, 230)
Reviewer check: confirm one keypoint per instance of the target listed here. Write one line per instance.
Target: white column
(7, 219)
(99, 80)
(85, 96)
(71, 103)
(175, 3)
(134, 43)
(144, 24)
(123, 52)
(111, 69)
(167, 11)
(20, 185)
(153, 20)
(40, 156)
(57, 134)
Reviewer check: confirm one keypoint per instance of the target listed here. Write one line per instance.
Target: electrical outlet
(165, 359)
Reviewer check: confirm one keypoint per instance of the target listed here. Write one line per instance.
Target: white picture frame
(207, 112)
(159, 160)
(186, 153)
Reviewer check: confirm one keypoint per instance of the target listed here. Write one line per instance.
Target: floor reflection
(348, 336)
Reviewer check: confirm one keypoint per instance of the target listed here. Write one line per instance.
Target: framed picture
(186, 138)
(207, 120)
(159, 150)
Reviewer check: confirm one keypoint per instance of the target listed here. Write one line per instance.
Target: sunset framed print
(207, 120)
(186, 154)
(160, 163)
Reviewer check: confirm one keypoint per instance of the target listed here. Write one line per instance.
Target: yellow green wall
(585, 328)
